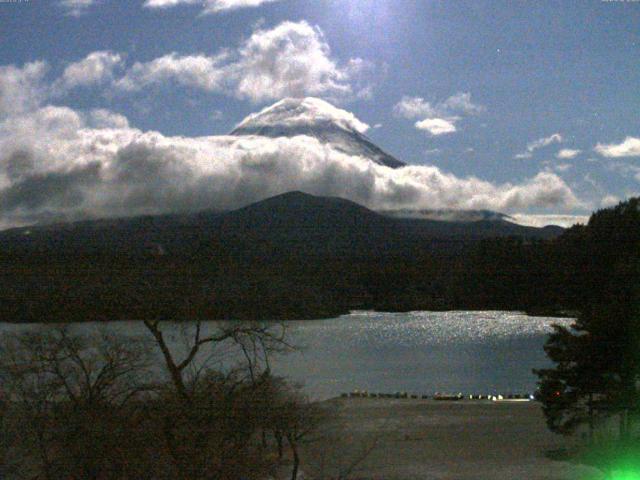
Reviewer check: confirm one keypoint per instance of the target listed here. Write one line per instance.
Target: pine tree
(597, 359)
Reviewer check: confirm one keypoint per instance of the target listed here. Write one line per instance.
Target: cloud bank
(57, 163)
(72, 171)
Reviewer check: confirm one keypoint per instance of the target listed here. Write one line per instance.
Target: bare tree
(214, 426)
(256, 341)
(69, 394)
(93, 407)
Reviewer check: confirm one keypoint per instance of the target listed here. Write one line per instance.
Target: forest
(118, 273)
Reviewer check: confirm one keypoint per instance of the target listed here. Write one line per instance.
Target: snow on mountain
(316, 118)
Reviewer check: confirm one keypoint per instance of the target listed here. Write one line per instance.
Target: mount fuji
(344, 132)
(318, 119)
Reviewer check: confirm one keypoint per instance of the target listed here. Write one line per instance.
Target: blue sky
(477, 89)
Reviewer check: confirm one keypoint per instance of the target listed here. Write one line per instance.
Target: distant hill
(291, 224)
(293, 256)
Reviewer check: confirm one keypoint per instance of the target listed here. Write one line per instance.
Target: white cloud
(438, 119)
(95, 68)
(544, 142)
(215, 6)
(624, 169)
(414, 107)
(630, 147)
(436, 126)
(102, 118)
(76, 8)
(567, 153)
(196, 71)
(545, 220)
(540, 143)
(170, 3)
(461, 103)
(563, 167)
(209, 6)
(609, 201)
(21, 88)
(292, 59)
(417, 107)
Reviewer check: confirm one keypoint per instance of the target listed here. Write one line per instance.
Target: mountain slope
(318, 119)
(291, 224)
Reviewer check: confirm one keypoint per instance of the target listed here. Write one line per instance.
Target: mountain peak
(317, 118)
(297, 199)
(297, 112)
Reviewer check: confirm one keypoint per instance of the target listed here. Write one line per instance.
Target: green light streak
(625, 474)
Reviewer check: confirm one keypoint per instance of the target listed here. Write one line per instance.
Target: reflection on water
(418, 352)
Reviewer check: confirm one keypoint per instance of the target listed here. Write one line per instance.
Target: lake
(417, 352)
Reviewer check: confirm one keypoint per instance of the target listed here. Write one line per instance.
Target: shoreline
(560, 314)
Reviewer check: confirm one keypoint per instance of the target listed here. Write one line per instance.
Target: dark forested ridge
(300, 256)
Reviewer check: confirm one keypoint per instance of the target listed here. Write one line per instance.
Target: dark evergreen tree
(597, 360)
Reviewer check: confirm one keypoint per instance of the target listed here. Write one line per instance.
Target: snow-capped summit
(319, 119)
(298, 112)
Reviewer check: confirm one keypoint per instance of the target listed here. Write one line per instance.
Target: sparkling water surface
(417, 352)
